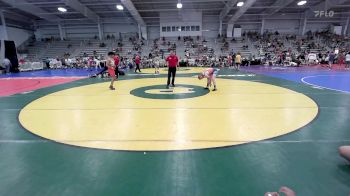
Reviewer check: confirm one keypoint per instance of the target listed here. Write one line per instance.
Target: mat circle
(239, 112)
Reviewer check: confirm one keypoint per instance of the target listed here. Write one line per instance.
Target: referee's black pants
(171, 73)
(137, 67)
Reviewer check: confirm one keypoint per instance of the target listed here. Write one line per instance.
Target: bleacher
(256, 46)
(78, 48)
(34, 50)
(59, 48)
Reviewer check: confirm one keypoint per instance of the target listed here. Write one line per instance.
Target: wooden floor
(255, 134)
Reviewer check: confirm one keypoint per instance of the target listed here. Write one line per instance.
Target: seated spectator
(21, 61)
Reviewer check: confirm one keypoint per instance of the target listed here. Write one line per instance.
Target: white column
(140, 37)
(304, 26)
(345, 31)
(4, 27)
(144, 32)
(100, 31)
(229, 31)
(61, 32)
(220, 28)
(262, 26)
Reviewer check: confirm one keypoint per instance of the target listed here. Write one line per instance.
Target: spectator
(347, 60)
(238, 61)
(7, 64)
(331, 58)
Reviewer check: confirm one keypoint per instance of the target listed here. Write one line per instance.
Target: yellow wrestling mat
(143, 116)
(181, 70)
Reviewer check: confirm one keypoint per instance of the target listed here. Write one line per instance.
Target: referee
(173, 62)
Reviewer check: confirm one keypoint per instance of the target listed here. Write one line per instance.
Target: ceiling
(19, 15)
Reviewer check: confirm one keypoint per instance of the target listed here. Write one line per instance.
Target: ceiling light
(302, 3)
(62, 9)
(120, 7)
(240, 4)
(179, 5)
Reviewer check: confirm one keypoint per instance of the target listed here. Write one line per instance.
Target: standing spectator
(7, 64)
(156, 62)
(347, 59)
(137, 63)
(173, 61)
(331, 58)
(229, 61)
(250, 59)
(238, 60)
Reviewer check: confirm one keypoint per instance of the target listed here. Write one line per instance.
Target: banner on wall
(337, 30)
(237, 32)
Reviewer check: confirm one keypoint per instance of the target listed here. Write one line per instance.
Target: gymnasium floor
(264, 128)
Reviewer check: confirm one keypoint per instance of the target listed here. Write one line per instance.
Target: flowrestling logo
(325, 14)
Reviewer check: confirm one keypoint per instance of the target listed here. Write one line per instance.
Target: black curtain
(11, 54)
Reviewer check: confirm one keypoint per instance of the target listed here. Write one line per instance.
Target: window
(173, 28)
(163, 29)
(193, 28)
(182, 28)
(168, 29)
(188, 28)
(198, 28)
